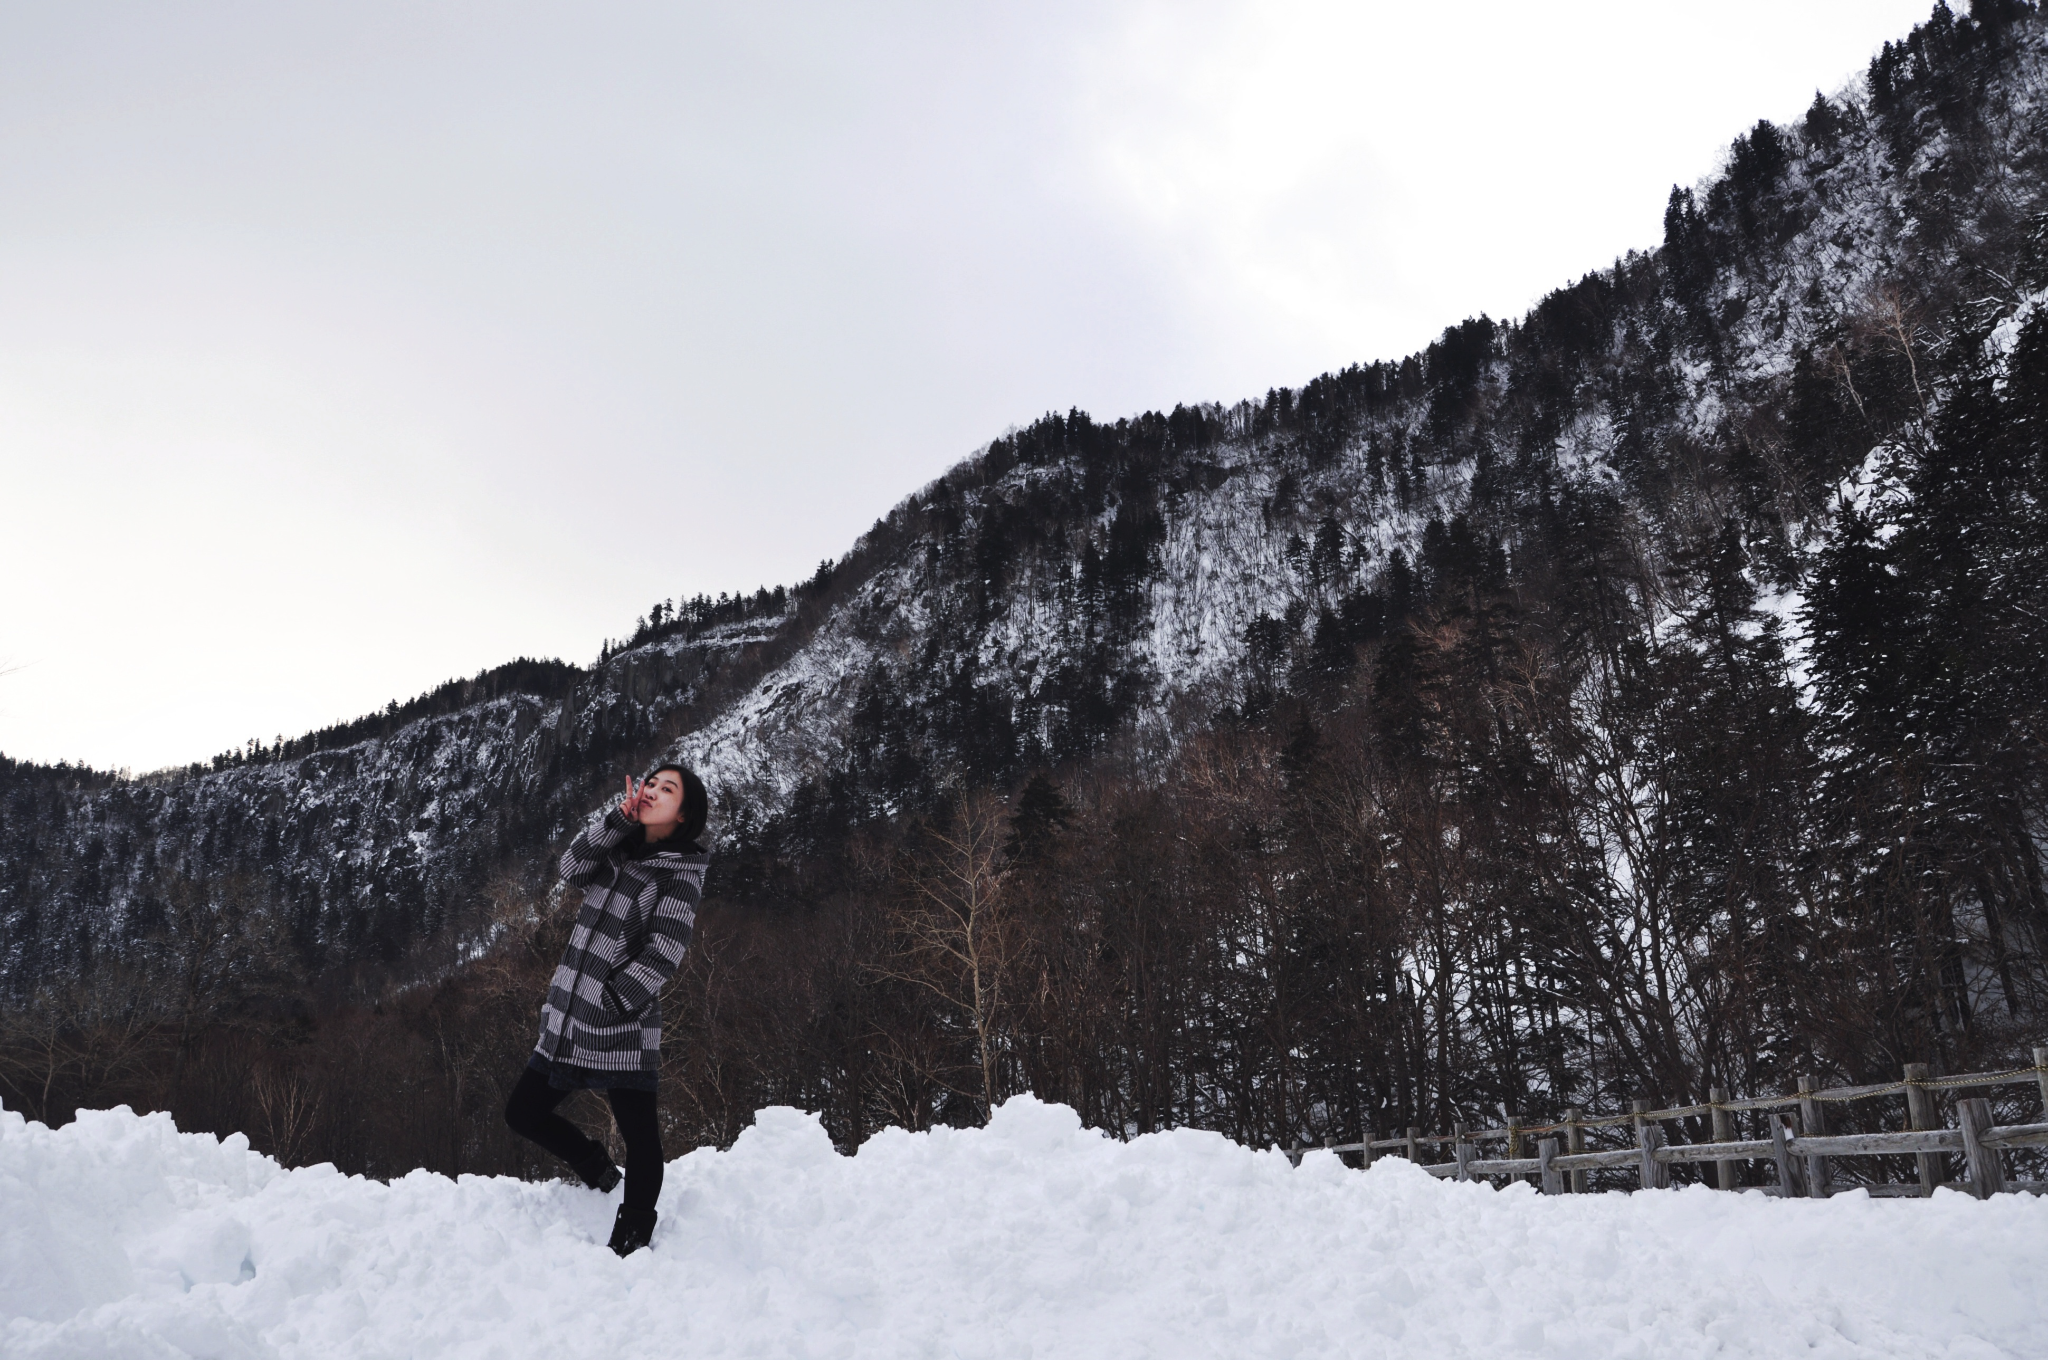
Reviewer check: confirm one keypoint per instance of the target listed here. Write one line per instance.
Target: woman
(642, 874)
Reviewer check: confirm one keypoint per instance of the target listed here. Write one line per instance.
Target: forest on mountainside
(1638, 698)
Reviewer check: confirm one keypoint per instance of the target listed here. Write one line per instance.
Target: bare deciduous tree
(958, 938)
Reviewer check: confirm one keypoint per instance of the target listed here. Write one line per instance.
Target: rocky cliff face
(1078, 589)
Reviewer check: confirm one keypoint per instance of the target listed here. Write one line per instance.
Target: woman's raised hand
(636, 798)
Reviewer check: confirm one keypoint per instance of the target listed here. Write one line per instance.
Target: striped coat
(604, 1004)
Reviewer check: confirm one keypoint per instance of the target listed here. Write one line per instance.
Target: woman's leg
(634, 1111)
(531, 1114)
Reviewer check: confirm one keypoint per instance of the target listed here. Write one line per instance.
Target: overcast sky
(346, 348)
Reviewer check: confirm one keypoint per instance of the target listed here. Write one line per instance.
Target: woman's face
(664, 800)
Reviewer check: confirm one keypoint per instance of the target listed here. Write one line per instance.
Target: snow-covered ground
(120, 1237)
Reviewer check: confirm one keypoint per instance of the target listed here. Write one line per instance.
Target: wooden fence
(1797, 1153)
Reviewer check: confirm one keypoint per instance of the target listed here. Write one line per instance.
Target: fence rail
(1798, 1150)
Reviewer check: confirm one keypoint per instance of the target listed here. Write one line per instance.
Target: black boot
(597, 1170)
(632, 1230)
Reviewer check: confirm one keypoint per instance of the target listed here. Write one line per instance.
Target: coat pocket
(616, 1012)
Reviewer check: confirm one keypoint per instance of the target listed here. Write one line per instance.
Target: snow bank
(120, 1237)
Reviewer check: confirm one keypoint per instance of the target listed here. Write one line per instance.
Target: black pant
(531, 1113)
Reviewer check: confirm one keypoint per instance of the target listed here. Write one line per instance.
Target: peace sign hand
(636, 799)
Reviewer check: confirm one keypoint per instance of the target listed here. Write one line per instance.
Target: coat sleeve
(585, 857)
(641, 975)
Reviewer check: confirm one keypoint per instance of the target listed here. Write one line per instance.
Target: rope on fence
(1980, 1079)
(1834, 1094)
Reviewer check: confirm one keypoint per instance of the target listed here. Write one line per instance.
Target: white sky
(347, 348)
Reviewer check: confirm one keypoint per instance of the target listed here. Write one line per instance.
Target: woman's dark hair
(696, 802)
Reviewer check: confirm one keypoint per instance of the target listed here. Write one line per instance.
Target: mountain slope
(1076, 580)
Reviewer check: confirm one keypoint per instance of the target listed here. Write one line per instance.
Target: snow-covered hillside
(370, 848)
(120, 1237)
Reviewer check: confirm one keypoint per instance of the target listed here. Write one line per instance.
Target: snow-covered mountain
(1076, 580)
(371, 847)
(1081, 589)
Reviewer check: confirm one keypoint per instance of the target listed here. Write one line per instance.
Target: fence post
(1575, 1142)
(1514, 1122)
(1920, 1115)
(1463, 1151)
(1657, 1175)
(2041, 1075)
(1651, 1174)
(1987, 1177)
(1365, 1153)
(1813, 1124)
(1726, 1172)
(1781, 1152)
(1415, 1145)
(1553, 1180)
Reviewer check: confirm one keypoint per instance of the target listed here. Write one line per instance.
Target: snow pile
(120, 1237)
